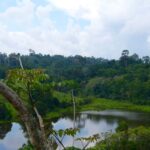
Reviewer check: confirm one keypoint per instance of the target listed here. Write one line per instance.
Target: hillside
(124, 79)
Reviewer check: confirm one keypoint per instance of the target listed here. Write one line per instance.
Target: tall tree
(124, 57)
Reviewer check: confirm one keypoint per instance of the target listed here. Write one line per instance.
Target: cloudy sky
(101, 28)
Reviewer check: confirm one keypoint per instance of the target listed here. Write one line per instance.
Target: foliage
(44, 99)
(33, 88)
(68, 131)
(7, 112)
(23, 80)
(124, 79)
(88, 140)
(101, 103)
(134, 139)
(123, 126)
(59, 135)
(66, 99)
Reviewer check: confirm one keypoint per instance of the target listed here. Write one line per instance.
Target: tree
(125, 53)
(29, 115)
(135, 57)
(32, 52)
(124, 57)
(146, 59)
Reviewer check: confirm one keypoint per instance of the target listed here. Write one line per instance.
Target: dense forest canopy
(124, 79)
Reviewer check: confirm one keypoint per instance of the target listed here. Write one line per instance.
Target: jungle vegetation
(42, 88)
(127, 78)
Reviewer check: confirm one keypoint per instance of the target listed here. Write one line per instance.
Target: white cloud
(43, 11)
(84, 8)
(22, 14)
(114, 25)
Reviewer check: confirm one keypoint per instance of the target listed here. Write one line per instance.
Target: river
(90, 122)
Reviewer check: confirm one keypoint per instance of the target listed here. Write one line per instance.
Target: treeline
(125, 79)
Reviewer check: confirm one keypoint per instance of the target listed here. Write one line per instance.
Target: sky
(100, 28)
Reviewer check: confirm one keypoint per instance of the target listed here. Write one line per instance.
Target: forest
(126, 79)
(45, 86)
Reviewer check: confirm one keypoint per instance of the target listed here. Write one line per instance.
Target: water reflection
(14, 139)
(88, 125)
(132, 118)
(93, 122)
(89, 122)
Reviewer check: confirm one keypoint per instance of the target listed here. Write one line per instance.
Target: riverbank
(98, 104)
(101, 104)
(92, 103)
(86, 104)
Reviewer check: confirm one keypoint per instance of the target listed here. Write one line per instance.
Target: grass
(83, 104)
(101, 104)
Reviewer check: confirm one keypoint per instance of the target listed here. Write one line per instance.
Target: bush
(137, 139)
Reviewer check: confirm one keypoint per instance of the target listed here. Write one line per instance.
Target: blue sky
(100, 28)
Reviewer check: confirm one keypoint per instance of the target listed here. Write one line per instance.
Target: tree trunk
(36, 134)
